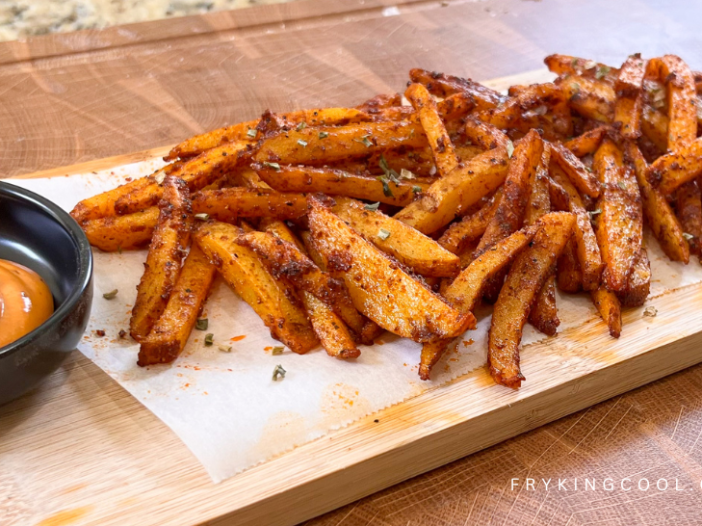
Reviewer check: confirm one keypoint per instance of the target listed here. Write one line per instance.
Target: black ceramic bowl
(38, 234)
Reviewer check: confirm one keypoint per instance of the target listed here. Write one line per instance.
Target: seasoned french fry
(593, 99)
(333, 143)
(682, 112)
(609, 308)
(544, 314)
(526, 277)
(439, 141)
(470, 228)
(379, 288)
(285, 178)
(170, 333)
(103, 205)
(588, 253)
(379, 102)
(654, 126)
(620, 225)
(331, 330)
(673, 170)
(163, 262)
(587, 143)
(439, 204)
(455, 107)
(630, 97)
(569, 276)
(245, 273)
(568, 65)
(585, 181)
(229, 203)
(689, 211)
(639, 282)
(509, 213)
(484, 135)
(114, 233)
(197, 173)
(445, 85)
(409, 246)
(285, 260)
(660, 216)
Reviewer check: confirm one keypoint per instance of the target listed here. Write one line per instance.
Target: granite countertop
(25, 18)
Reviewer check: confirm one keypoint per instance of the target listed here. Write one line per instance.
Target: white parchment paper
(225, 406)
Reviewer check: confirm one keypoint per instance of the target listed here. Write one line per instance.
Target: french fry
(379, 102)
(660, 216)
(246, 131)
(673, 170)
(587, 143)
(197, 173)
(630, 97)
(409, 246)
(103, 205)
(484, 135)
(654, 126)
(170, 333)
(568, 273)
(639, 283)
(544, 314)
(229, 203)
(455, 107)
(688, 208)
(439, 141)
(682, 112)
(593, 99)
(524, 280)
(379, 288)
(458, 235)
(326, 144)
(114, 233)
(509, 213)
(244, 272)
(418, 161)
(568, 65)
(620, 225)
(439, 204)
(446, 85)
(609, 308)
(285, 260)
(585, 181)
(163, 262)
(399, 192)
(588, 253)
(331, 330)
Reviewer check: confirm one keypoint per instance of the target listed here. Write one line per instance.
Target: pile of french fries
(337, 224)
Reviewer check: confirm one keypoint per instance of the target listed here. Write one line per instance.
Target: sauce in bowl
(25, 301)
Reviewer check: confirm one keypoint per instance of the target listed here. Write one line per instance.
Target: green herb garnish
(602, 72)
(383, 234)
(209, 339)
(386, 185)
(275, 166)
(688, 236)
(595, 213)
(278, 372)
(323, 135)
(372, 206)
(302, 143)
(252, 132)
(202, 217)
(417, 189)
(277, 350)
(301, 126)
(110, 295)
(201, 324)
(225, 348)
(510, 148)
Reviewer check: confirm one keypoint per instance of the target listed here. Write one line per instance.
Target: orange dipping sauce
(25, 301)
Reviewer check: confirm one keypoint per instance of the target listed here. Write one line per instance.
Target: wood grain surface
(76, 98)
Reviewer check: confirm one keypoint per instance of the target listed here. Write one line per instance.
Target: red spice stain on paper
(238, 338)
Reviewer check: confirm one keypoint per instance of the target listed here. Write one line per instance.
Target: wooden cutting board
(81, 451)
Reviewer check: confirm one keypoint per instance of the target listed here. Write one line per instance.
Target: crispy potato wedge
(673, 170)
(229, 203)
(609, 308)
(659, 214)
(565, 196)
(445, 85)
(379, 288)
(569, 65)
(459, 235)
(276, 304)
(103, 205)
(409, 246)
(590, 98)
(333, 143)
(568, 273)
(585, 181)
(544, 314)
(688, 207)
(333, 334)
(539, 200)
(681, 98)
(620, 225)
(399, 192)
(439, 141)
(630, 97)
(587, 143)
(197, 173)
(285, 260)
(486, 136)
(638, 285)
(439, 204)
(509, 213)
(526, 277)
(455, 107)
(163, 262)
(170, 333)
(654, 126)
(114, 233)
